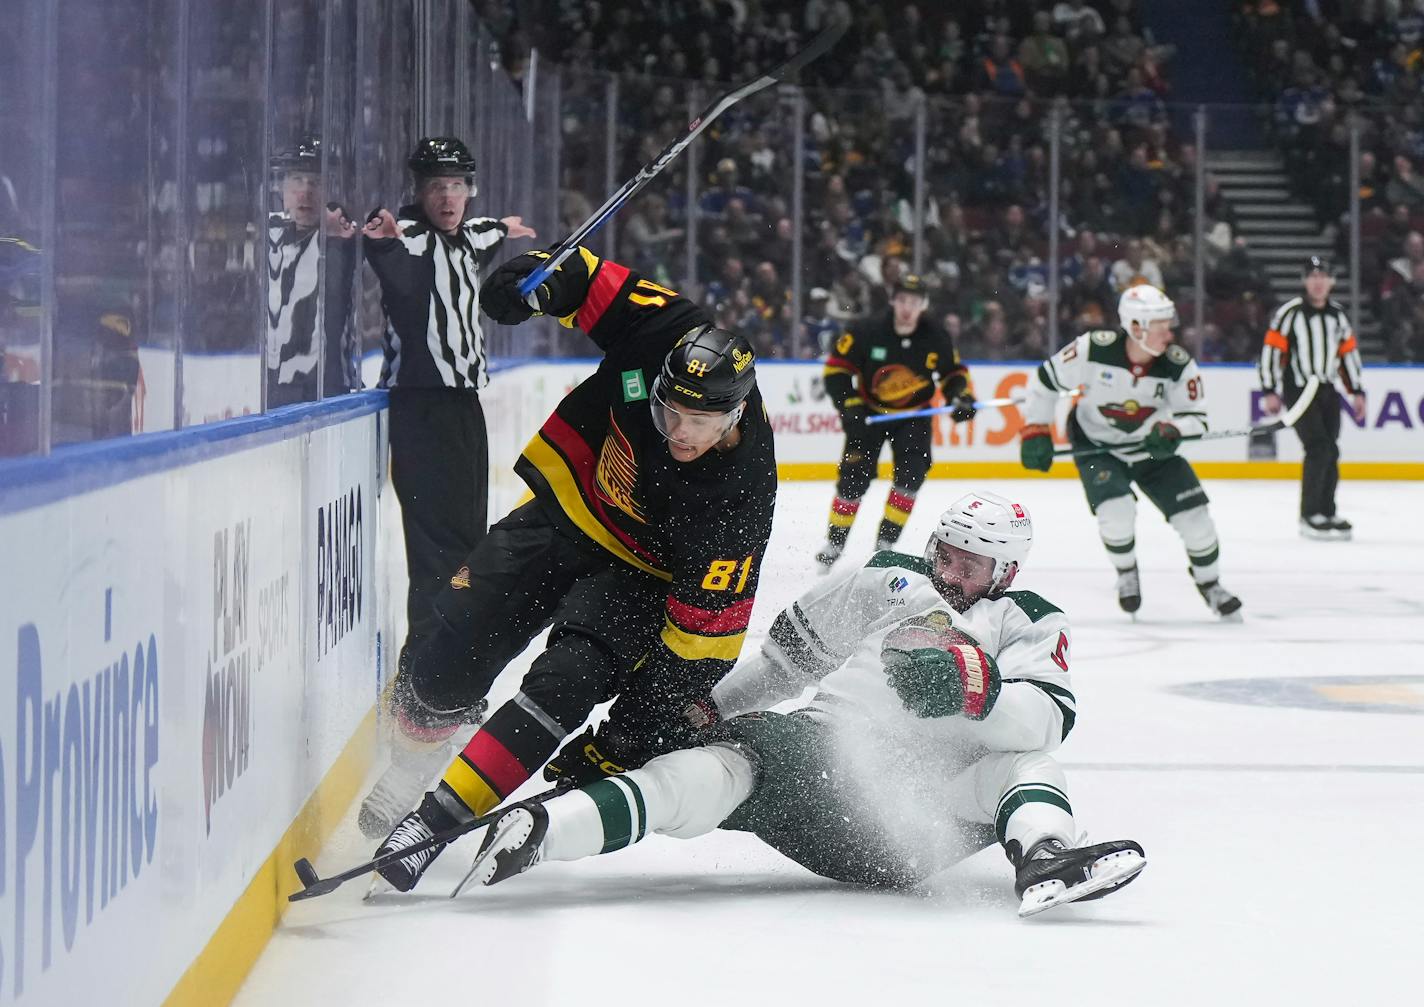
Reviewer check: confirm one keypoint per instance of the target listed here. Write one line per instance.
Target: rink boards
(1388, 445)
(189, 647)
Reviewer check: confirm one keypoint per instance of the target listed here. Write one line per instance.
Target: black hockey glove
(964, 410)
(594, 755)
(500, 297)
(1161, 441)
(854, 414)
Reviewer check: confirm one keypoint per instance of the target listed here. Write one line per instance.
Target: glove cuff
(1031, 430)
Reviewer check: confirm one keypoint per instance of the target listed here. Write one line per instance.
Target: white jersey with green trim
(1120, 401)
(833, 635)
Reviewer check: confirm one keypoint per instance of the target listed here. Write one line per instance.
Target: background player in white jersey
(940, 695)
(1133, 378)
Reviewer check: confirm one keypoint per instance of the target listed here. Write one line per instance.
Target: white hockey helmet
(986, 524)
(1142, 304)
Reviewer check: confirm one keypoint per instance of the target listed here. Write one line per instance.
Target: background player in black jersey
(654, 482)
(888, 364)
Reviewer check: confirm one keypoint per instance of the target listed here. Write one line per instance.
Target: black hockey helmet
(304, 155)
(710, 369)
(1317, 264)
(912, 283)
(437, 156)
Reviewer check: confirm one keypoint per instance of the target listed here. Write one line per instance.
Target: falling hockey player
(940, 695)
(1133, 379)
(654, 482)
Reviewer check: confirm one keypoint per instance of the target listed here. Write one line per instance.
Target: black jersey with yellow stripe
(894, 373)
(599, 466)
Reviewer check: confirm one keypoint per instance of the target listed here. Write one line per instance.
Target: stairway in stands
(1280, 232)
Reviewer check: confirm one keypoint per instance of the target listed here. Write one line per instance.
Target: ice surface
(1280, 839)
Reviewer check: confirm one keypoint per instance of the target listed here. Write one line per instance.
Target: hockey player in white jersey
(940, 694)
(1134, 381)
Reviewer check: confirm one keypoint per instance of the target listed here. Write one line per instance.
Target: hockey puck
(306, 873)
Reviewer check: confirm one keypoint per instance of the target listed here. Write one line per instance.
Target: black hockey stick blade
(314, 885)
(817, 47)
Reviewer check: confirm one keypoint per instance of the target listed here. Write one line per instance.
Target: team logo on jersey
(634, 388)
(898, 385)
(461, 578)
(1127, 415)
(1177, 355)
(1103, 337)
(616, 479)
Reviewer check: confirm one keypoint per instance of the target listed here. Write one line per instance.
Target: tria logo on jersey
(1127, 415)
(897, 583)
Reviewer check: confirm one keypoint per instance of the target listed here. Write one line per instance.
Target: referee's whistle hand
(1271, 403)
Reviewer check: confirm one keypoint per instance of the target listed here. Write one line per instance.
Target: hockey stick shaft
(817, 47)
(941, 410)
(313, 886)
(1284, 421)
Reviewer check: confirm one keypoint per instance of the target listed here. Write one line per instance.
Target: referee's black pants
(1319, 432)
(440, 469)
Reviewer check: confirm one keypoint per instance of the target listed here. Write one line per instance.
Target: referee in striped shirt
(1310, 336)
(429, 267)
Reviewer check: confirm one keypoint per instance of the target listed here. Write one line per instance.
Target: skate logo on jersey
(897, 385)
(616, 478)
(1127, 415)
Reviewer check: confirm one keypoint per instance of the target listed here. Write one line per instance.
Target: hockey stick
(1283, 421)
(817, 47)
(314, 885)
(939, 410)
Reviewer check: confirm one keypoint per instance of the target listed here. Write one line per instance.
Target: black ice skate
(1318, 526)
(1341, 528)
(830, 552)
(1052, 875)
(422, 824)
(1221, 601)
(1129, 590)
(511, 846)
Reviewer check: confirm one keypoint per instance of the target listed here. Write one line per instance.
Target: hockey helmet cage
(710, 369)
(437, 156)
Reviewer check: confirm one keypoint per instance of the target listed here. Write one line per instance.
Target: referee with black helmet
(429, 263)
(1311, 336)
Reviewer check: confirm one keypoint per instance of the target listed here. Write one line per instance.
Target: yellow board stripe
(691, 647)
(473, 791)
(556, 472)
(1065, 470)
(220, 969)
(842, 520)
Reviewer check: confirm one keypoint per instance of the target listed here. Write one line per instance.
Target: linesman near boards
(429, 265)
(653, 486)
(889, 364)
(1309, 337)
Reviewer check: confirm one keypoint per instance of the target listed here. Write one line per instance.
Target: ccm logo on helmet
(690, 393)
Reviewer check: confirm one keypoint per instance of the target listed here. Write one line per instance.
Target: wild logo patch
(1127, 415)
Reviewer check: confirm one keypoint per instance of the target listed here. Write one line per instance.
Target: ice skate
(1341, 528)
(1221, 601)
(1051, 874)
(409, 775)
(1129, 590)
(826, 558)
(1318, 526)
(417, 827)
(510, 847)
(884, 545)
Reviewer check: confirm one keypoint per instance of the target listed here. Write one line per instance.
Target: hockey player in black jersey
(889, 364)
(654, 482)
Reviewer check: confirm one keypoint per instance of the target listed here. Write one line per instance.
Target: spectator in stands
(1089, 300)
(1044, 57)
(819, 329)
(1123, 47)
(650, 239)
(726, 188)
(1405, 188)
(999, 73)
(1078, 22)
(1134, 267)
